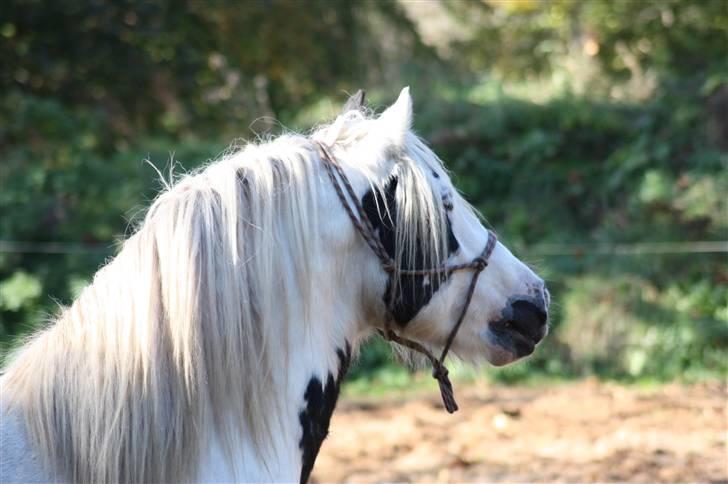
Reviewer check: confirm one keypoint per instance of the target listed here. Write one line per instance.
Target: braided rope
(364, 226)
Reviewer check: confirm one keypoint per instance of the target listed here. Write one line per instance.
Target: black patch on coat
(316, 416)
(415, 291)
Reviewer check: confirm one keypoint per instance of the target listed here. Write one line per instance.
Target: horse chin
(499, 356)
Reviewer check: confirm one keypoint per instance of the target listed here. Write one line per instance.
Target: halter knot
(479, 263)
(389, 267)
(440, 373)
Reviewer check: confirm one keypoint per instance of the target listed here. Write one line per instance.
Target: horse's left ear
(396, 120)
(355, 102)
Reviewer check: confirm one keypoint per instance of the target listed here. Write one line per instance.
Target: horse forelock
(421, 219)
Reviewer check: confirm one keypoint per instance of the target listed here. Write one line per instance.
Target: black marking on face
(415, 291)
(316, 416)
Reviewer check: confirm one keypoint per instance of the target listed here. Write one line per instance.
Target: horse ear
(396, 120)
(355, 102)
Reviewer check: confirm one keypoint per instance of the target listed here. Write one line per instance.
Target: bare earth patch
(581, 432)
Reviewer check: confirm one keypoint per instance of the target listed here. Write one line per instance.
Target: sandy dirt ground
(578, 432)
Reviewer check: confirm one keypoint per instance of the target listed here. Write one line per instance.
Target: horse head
(422, 221)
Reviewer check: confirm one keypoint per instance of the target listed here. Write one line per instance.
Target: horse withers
(212, 347)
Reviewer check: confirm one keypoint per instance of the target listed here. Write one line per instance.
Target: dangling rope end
(439, 373)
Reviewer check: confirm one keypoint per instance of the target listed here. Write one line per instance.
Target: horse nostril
(529, 319)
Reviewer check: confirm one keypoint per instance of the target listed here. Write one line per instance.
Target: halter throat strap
(364, 226)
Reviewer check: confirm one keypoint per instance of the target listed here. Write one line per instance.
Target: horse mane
(171, 340)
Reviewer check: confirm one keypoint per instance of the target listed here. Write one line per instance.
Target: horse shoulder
(19, 462)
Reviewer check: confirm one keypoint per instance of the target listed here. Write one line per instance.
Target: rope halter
(364, 226)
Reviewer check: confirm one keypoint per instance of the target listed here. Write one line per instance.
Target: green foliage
(186, 67)
(19, 291)
(627, 39)
(627, 326)
(572, 169)
(65, 181)
(595, 123)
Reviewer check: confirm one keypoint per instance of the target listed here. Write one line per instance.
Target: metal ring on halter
(363, 225)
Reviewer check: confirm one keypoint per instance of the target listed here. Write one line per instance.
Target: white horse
(211, 348)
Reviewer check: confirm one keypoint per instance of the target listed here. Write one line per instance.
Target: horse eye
(434, 173)
(447, 203)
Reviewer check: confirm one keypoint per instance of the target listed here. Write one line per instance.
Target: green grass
(376, 375)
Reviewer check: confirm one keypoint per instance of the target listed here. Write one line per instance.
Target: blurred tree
(629, 40)
(171, 65)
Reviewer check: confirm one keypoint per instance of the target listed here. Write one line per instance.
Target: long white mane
(172, 339)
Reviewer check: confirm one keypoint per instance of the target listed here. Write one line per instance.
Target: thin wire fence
(541, 250)
(60, 248)
(636, 248)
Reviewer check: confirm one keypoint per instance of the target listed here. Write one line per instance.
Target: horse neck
(319, 352)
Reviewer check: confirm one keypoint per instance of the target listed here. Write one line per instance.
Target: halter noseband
(364, 226)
